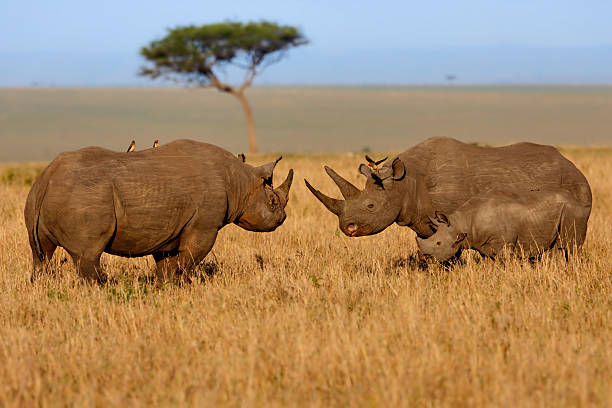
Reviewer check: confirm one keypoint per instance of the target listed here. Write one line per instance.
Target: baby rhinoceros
(168, 201)
(524, 222)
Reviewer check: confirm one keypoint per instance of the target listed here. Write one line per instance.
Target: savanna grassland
(305, 316)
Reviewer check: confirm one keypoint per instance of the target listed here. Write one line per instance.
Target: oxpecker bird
(156, 143)
(372, 163)
(131, 147)
(242, 157)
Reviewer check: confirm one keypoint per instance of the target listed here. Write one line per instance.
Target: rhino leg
(40, 261)
(85, 234)
(88, 267)
(494, 247)
(166, 265)
(572, 229)
(86, 257)
(194, 247)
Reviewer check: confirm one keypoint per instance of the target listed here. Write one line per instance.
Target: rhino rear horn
(283, 189)
(331, 204)
(266, 171)
(347, 189)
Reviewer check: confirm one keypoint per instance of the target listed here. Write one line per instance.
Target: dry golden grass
(307, 316)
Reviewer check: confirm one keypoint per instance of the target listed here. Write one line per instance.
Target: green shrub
(19, 175)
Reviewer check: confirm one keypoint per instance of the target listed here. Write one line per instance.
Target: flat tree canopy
(195, 54)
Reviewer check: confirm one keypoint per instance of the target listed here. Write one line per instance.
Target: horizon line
(500, 84)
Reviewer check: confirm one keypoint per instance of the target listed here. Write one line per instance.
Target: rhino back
(528, 218)
(455, 172)
(146, 196)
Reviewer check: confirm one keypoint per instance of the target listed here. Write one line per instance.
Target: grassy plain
(37, 123)
(305, 316)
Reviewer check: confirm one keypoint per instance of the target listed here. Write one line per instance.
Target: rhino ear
(242, 157)
(399, 170)
(441, 217)
(433, 223)
(267, 171)
(365, 170)
(460, 237)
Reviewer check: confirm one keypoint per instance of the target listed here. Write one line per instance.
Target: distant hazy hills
(315, 66)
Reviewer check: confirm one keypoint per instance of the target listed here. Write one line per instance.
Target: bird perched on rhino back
(156, 143)
(131, 147)
(171, 208)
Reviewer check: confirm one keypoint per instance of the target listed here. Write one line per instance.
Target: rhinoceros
(443, 173)
(527, 223)
(169, 202)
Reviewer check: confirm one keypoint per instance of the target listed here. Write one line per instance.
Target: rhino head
(264, 208)
(446, 243)
(371, 210)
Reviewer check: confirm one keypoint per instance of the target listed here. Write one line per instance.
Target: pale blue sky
(68, 42)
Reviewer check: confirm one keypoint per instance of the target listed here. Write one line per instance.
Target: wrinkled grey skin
(526, 222)
(442, 173)
(169, 202)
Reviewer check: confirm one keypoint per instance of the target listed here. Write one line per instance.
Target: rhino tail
(38, 192)
(37, 208)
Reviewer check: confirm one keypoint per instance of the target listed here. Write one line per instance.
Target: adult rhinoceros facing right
(441, 174)
(169, 202)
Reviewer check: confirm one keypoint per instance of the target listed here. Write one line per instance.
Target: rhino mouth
(353, 230)
(423, 257)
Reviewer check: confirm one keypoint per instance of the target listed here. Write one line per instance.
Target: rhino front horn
(346, 188)
(283, 189)
(331, 204)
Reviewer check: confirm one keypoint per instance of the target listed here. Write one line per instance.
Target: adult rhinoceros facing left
(169, 202)
(441, 174)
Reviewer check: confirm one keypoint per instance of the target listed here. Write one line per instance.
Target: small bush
(20, 175)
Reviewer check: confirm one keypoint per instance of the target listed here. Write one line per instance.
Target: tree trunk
(249, 120)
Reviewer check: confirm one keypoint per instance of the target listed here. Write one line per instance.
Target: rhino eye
(370, 206)
(438, 243)
(273, 202)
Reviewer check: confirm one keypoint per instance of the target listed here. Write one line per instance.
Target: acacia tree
(195, 54)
